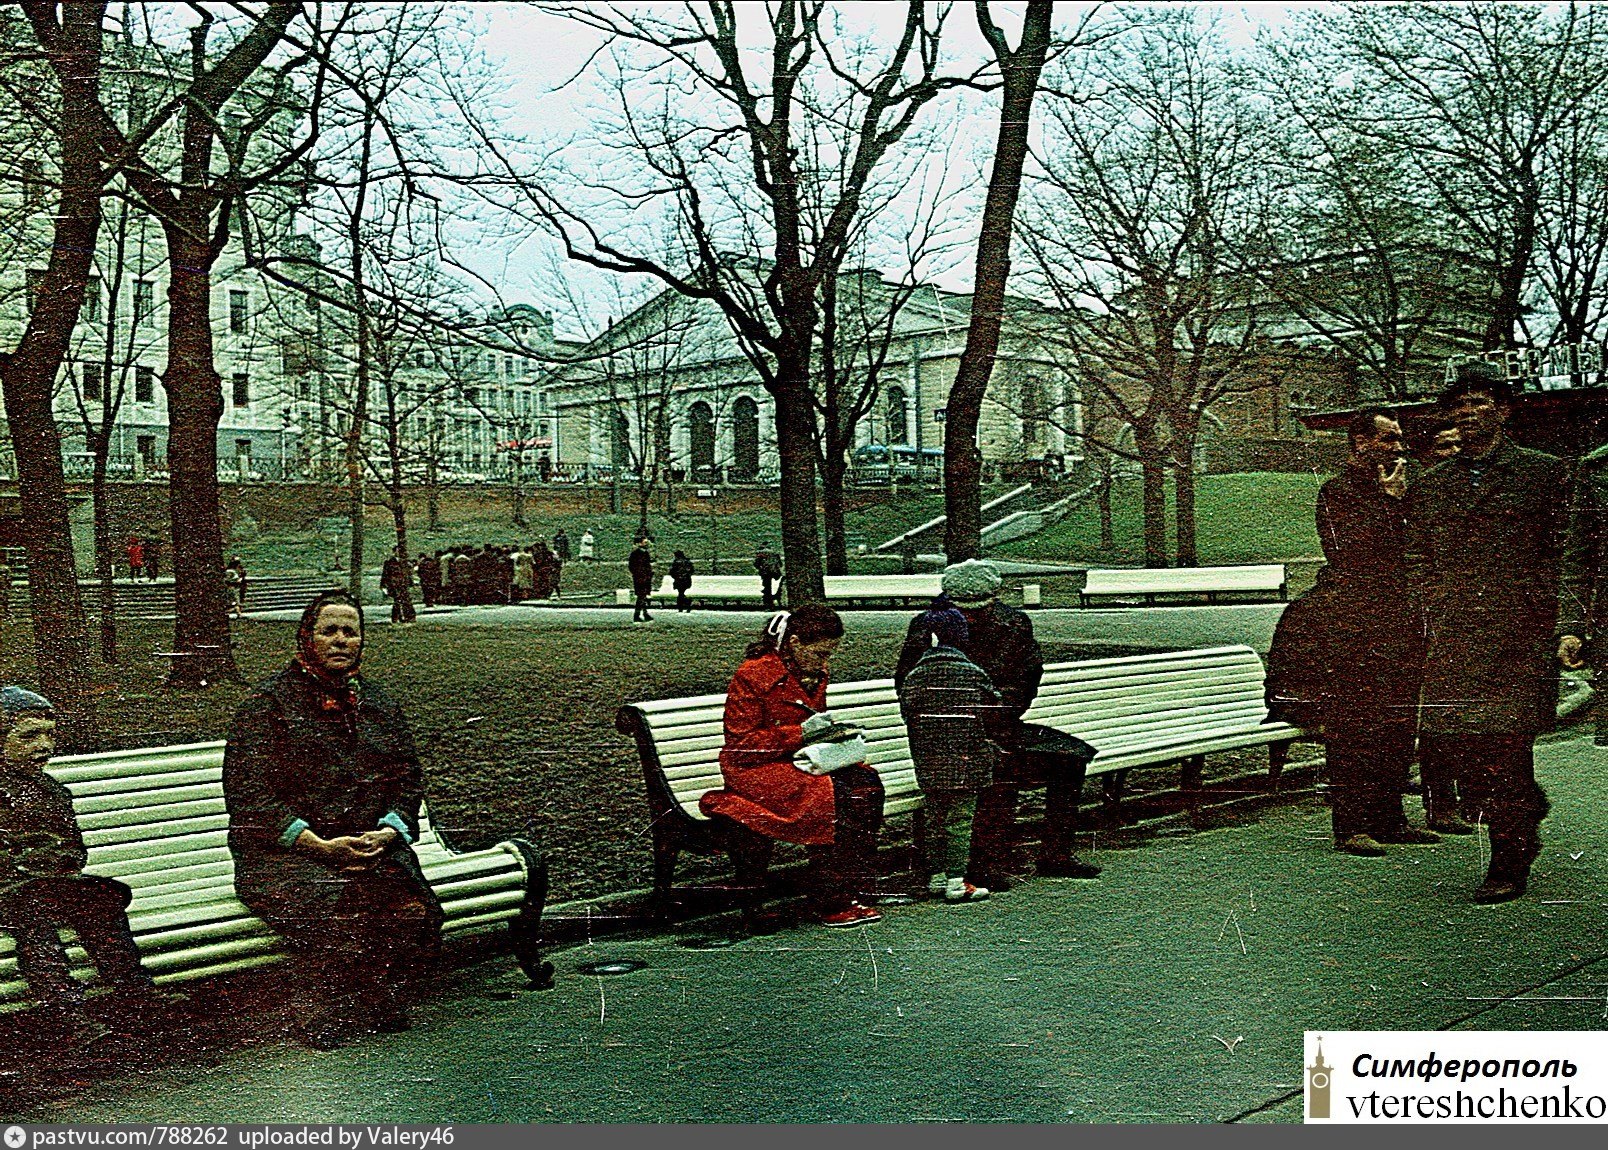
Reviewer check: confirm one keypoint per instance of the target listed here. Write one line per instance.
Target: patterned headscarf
(342, 694)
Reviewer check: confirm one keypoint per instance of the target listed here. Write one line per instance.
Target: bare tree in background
(1353, 246)
(197, 207)
(737, 182)
(963, 462)
(71, 44)
(1471, 96)
(1144, 184)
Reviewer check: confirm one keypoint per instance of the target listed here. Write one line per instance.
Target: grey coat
(949, 703)
(1482, 562)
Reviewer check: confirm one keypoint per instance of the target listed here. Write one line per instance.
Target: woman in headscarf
(779, 687)
(324, 789)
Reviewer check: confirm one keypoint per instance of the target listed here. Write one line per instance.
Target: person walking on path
(1484, 535)
(769, 566)
(949, 704)
(641, 565)
(561, 545)
(778, 690)
(430, 578)
(558, 561)
(681, 580)
(1370, 719)
(1000, 640)
(153, 559)
(136, 557)
(396, 580)
(588, 547)
(324, 789)
(43, 888)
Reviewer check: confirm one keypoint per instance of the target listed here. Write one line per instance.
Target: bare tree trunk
(832, 510)
(195, 407)
(432, 494)
(962, 461)
(1152, 466)
(105, 572)
(28, 375)
(1184, 510)
(1108, 535)
(795, 446)
(1509, 303)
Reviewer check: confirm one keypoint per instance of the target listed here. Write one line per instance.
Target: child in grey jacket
(949, 703)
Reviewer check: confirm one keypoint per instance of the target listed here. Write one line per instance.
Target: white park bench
(1148, 583)
(846, 590)
(155, 819)
(1137, 711)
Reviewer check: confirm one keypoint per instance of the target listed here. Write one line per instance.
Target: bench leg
(1111, 786)
(526, 926)
(1190, 773)
(1277, 755)
(665, 853)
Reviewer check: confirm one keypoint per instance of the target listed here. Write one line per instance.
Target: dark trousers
(768, 589)
(1435, 771)
(1368, 765)
(840, 870)
(94, 908)
(430, 591)
(402, 606)
(381, 937)
(994, 825)
(682, 602)
(640, 613)
(1496, 774)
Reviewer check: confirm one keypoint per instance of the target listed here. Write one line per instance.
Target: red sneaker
(855, 914)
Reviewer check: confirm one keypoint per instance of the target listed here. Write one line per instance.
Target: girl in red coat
(781, 683)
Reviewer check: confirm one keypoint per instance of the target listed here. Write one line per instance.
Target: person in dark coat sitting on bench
(1000, 640)
(780, 687)
(324, 790)
(43, 886)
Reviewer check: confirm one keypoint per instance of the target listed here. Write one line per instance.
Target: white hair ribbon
(777, 627)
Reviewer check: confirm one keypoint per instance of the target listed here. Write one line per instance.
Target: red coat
(765, 711)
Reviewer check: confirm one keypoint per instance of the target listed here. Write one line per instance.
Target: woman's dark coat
(295, 754)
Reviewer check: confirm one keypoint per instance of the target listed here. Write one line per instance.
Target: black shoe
(1493, 891)
(1069, 867)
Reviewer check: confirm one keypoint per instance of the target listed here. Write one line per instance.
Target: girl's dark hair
(808, 623)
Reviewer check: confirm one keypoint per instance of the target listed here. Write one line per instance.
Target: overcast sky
(551, 95)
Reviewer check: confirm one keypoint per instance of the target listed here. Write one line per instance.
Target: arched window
(1033, 410)
(701, 436)
(745, 439)
(898, 418)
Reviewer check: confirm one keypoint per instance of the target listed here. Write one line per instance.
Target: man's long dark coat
(1482, 562)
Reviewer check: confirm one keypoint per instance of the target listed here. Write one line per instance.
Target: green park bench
(1149, 583)
(155, 819)
(1137, 711)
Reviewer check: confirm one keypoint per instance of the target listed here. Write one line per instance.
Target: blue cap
(18, 701)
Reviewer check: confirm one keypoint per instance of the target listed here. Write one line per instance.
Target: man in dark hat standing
(1484, 534)
(1000, 640)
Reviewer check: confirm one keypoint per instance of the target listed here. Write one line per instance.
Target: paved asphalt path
(1176, 988)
